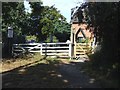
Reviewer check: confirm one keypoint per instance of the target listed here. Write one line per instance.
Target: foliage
(42, 22)
(19, 39)
(35, 16)
(62, 32)
(32, 37)
(103, 18)
(13, 14)
(48, 21)
(55, 40)
(87, 40)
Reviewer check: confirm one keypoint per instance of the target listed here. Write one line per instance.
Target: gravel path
(76, 77)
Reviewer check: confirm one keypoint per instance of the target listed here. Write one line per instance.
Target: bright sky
(63, 5)
(27, 6)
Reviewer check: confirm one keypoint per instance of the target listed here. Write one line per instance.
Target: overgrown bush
(31, 38)
(54, 39)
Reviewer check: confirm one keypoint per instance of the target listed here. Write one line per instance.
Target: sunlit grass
(9, 64)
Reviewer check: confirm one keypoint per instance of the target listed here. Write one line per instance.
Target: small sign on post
(10, 32)
(10, 37)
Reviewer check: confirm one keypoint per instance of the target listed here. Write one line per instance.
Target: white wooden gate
(49, 49)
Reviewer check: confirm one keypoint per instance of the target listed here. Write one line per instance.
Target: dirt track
(53, 74)
(76, 77)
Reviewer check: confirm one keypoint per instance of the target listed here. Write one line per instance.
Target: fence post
(70, 50)
(41, 49)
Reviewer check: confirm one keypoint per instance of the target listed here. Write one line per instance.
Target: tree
(104, 18)
(42, 22)
(62, 32)
(35, 18)
(13, 14)
(46, 21)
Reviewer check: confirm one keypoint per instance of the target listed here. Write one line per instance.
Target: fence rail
(52, 49)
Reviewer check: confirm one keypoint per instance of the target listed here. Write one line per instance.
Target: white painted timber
(60, 49)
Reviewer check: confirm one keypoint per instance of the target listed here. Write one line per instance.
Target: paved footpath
(76, 76)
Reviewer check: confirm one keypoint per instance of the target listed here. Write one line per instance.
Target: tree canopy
(41, 22)
(13, 14)
(48, 21)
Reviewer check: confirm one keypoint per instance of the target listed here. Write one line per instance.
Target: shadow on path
(76, 76)
(52, 74)
(34, 75)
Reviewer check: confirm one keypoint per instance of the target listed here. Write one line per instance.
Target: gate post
(41, 49)
(70, 50)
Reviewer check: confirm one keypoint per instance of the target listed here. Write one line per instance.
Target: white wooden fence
(49, 49)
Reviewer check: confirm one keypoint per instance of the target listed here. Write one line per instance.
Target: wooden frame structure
(79, 32)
